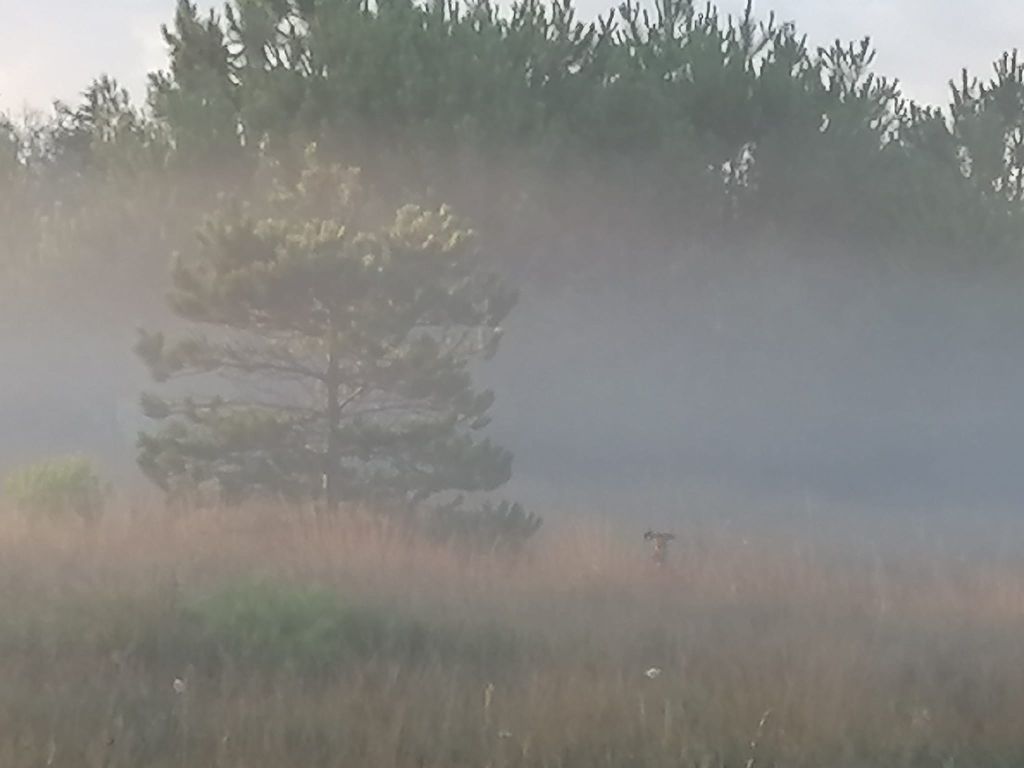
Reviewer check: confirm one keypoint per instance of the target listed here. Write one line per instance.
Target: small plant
(58, 488)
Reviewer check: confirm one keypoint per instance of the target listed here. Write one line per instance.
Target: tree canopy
(679, 122)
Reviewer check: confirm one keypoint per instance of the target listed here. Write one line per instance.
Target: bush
(58, 488)
(265, 626)
(307, 629)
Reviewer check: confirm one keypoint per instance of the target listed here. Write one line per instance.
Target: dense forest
(705, 130)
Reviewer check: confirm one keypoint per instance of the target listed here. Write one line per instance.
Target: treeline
(551, 133)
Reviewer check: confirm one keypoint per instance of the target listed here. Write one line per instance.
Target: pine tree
(337, 353)
(197, 94)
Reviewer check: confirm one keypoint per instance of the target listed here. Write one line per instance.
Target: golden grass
(765, 653)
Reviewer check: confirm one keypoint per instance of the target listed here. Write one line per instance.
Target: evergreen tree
(196, 95)
(347, 349)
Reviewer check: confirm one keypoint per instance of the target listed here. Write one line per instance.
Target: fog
(782, 387)
(743, 387)
(655, 369)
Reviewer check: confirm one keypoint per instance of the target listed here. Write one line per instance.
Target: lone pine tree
(336, 353)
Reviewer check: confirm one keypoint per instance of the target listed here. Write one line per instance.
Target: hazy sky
(52, 49)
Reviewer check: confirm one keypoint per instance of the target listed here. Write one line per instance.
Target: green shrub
(57, 488)
(311, 631)
(308, 629)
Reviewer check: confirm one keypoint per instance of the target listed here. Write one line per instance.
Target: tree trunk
(331, 454)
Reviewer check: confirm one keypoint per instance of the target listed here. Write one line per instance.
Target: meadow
(258, 637)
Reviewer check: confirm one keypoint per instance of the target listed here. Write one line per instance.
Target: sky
(52, 50)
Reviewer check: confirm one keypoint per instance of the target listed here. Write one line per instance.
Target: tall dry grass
(580, 653)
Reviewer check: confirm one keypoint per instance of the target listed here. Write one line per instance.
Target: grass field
(257, 639)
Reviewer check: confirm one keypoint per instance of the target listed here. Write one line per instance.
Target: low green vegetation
(309, 630)
(160, 645)
(64, 488)
(259, 628)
